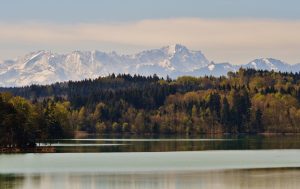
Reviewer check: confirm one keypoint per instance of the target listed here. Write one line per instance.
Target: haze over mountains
(44, 67)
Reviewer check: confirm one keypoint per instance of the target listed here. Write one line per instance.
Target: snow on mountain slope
(44, 67)
(296, 67)
(220, 69)
(169, 60)
(269, 64)
(32, 68)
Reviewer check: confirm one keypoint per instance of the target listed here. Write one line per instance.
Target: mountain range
(45, 67)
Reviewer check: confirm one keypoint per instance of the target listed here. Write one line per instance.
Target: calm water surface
(158, 162)
(175, 143)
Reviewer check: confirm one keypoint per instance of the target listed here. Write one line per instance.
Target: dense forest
(248, 101)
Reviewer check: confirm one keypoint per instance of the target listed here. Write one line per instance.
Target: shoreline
(43, 149)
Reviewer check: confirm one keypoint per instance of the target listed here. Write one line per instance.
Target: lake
(169, 162)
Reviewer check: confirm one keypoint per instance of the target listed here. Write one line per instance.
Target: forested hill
(248, 101)
(140, 92)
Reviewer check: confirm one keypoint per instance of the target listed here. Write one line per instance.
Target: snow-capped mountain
(44, 67)
(168, 60)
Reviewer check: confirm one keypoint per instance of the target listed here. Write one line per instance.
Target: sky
(235, 31)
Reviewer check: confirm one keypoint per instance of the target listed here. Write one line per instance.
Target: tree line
(248, 101)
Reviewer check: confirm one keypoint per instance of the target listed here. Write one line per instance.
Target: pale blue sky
(73, 11)
(235, 31)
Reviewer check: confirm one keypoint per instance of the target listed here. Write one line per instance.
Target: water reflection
(231, 179)
(78, 144)
(179, 143)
